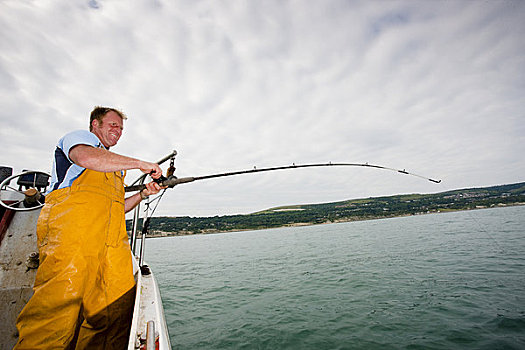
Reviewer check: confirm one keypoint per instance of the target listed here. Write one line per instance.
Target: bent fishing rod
(171, 181)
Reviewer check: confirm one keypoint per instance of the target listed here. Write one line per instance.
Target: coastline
(158, 233)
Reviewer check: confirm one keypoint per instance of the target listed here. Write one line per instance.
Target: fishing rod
(172, 181)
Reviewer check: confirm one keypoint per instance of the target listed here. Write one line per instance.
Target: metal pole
(150, 336)
(134, 228)
(135, 225)
(145, 225)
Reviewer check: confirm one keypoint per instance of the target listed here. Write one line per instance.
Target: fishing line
(482, 229)
(156, 199)
(145, 227)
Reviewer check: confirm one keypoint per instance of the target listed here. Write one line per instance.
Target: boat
(21, 199)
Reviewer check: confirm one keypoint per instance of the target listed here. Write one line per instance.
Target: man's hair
(99, 112)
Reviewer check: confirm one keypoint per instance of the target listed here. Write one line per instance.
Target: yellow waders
(84, 289)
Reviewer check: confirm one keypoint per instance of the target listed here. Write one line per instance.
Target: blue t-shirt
(64, 170)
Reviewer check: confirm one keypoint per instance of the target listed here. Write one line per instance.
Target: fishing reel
(29, 194)
(169, 174)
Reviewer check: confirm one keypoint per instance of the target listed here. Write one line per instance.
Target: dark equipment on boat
(5, 172)
(33, 179)
(29, 195)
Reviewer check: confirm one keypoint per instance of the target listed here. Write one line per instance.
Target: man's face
(109, 130)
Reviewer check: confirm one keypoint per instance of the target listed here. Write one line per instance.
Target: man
(84, 288)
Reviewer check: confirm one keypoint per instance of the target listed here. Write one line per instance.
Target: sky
(433, 87)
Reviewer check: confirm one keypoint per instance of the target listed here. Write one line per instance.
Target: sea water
(440, 281)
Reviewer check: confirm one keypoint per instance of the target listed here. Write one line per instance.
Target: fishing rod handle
(170, 182)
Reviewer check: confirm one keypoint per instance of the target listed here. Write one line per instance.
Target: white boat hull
(148, 309)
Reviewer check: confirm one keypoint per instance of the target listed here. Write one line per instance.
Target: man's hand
(152, 169)
(152, 188)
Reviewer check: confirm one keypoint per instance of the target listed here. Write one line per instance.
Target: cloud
(434, 87)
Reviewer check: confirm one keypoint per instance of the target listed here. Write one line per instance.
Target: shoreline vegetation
(344, 211)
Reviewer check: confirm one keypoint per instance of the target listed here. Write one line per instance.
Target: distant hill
(349, 210)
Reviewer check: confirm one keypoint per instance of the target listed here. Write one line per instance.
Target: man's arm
(102, 160)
